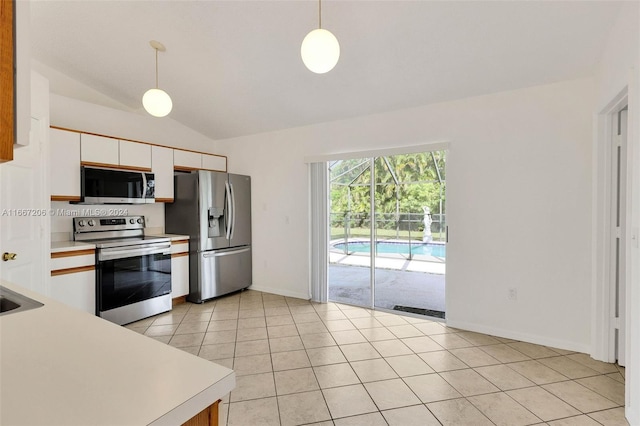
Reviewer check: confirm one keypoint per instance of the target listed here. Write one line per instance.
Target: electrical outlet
(512, 293)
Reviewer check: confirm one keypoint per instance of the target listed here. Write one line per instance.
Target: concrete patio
(415, 283)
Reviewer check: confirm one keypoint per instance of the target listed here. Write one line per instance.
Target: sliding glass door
(350, 233)
(387, 244)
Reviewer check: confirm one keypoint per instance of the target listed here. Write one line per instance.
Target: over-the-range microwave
(111, 186)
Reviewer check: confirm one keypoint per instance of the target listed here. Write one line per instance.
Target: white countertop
(62, 246)
(62, 366)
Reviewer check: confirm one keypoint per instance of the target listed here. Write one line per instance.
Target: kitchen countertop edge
(24, 368)
(62, 246)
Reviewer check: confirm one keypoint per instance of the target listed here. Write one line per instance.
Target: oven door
(127, 275)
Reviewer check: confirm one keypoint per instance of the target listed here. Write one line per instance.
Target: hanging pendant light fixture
(320, 49)
(156, 101)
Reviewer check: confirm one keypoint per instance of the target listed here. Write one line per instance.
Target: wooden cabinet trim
(207, 417)
(178, 300)
(7, 81)
(65, 198)
(115, 166)
(184, 241)
(214, 170)
(71, 253)
(135, 140)
(164, 200)
(185, 168)
(73, 270)
(174, 255)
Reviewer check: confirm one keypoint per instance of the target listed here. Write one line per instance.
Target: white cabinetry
(162, 168)
(189, 160)
(73, 279)
(77, 290)
(214, 162)
(186, 160)
(103, 151)
(135, 155)
(65, 165)
(179, 268)
(99, 150)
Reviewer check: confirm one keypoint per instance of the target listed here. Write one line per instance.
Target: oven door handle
(125, 252)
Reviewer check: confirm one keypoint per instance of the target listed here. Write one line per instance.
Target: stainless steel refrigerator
(214, 209)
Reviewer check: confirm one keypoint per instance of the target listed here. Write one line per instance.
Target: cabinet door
(186, 160)
(179, 274)
(99, 150)
(65, 165)
(162, 168)
(214, 162)
(77, 290)
(135, 155)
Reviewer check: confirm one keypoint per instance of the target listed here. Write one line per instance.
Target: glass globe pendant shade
(320, 51)
(157, 102)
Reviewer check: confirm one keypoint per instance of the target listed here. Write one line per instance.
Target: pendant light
(156, 101)
(320, 49)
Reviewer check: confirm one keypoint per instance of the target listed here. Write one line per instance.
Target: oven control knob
(91, 222)
(132, 221)
(81, 223)
(140, 220)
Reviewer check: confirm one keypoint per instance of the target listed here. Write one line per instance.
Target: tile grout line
(325, 319)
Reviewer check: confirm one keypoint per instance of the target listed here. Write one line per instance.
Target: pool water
(382, 247)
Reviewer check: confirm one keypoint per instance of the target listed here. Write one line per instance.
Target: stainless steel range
(133, 271)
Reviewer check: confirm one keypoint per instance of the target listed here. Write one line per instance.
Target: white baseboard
(279, 291)
(524, 337)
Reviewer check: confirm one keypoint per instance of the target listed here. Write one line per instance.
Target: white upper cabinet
(214, 162)
(162, 168)
(99, 150)
(135, 155)
(187, 160)
(65, 165)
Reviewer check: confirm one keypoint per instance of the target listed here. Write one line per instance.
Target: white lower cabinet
(179, 269)
(77, 290)
(73, 278)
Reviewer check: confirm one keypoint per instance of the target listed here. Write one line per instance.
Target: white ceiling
(233, 67)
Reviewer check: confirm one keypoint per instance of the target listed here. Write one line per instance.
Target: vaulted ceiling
(233, 67)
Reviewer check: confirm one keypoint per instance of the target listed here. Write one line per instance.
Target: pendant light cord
(319, 13)
(156, 68)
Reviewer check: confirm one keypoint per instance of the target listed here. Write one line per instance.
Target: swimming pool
(397, 247)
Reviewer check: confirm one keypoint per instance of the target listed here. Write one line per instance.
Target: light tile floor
(300, 363)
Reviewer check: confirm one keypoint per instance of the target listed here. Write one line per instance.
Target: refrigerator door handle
(233, 210)
(218, 253)
(227, 216)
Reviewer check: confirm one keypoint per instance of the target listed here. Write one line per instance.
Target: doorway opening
(387, 220)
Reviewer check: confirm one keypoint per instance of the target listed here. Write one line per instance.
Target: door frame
(603, 291)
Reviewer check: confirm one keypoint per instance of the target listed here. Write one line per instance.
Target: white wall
(618, 72)
(518, 203)
(74, 114)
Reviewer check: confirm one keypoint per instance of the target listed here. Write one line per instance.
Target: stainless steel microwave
(110, 186)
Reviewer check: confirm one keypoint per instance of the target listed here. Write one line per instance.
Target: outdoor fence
(403, 226)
